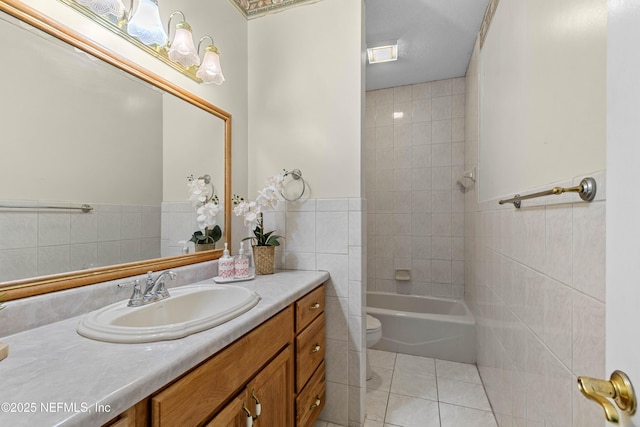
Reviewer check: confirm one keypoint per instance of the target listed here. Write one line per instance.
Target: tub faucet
(156, 289)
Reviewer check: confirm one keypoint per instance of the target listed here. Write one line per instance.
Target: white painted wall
(544, 61)
(305, 96)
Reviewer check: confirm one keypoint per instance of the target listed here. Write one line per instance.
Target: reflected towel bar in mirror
(586, 189)
(84, 208)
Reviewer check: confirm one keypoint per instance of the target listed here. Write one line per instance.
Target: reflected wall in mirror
(78, 130)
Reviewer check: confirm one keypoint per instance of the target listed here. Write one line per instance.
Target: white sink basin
(190, 309)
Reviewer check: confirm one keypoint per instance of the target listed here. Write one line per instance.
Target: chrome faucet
(155, 290)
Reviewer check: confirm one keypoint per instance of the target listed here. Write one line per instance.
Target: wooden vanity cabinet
(278, 367)
(310, 350)
(194, 398)
(271, 390)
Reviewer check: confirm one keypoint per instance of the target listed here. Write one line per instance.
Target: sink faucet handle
(136, 296)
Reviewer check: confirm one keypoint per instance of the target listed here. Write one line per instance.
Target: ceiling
(435, 37)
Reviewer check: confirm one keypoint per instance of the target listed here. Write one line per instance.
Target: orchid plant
(205, 202)
(252, 211)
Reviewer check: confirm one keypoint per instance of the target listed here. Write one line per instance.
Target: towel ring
(207, 181)
(296, 174)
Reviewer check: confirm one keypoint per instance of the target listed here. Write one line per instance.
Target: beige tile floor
(412, 391)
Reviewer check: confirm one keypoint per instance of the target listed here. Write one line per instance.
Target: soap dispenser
(241, 264)
(225, 265)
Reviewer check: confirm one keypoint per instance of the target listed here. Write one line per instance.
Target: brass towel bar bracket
(586, 190)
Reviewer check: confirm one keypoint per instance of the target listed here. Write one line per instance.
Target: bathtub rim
(467, 318)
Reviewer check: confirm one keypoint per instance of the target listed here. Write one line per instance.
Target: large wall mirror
(82, 126)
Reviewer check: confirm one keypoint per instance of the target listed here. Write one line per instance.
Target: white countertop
(55, 377)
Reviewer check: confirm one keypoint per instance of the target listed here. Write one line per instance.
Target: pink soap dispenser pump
(241, 264)
(226, 268)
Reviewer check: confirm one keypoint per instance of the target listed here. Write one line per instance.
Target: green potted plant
(263, 243)
(205, 202)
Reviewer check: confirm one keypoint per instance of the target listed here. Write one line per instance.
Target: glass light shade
(104, 7)
(145, 24)
(182, 49)
(210, 71)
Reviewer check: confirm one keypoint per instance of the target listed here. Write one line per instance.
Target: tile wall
(327, 234)
(535, 279)
(41, 242)
(413, 156)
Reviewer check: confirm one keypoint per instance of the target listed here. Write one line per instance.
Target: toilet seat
(374, 331)
(373, 324)
(374, 334)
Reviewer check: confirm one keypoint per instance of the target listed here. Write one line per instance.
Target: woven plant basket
(263, 257)
(204, 246)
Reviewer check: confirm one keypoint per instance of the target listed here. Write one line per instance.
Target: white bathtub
(424, 326)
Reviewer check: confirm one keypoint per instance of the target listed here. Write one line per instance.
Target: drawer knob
(315, 349)
(315, 404)
(315, 306)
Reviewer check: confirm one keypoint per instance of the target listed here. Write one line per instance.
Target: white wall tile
(420, 204)
(421, 133)
(441, 131)
(420, 91)
(441, 108)
(589, 248)
(332, 232)
(301, 231)
(338, 268)
(442, 88)
(54, 229)
(18, 230)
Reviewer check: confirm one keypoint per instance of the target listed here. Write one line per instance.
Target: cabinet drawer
(197, 395)
(310, 347)
(309, 307)
(310, 401)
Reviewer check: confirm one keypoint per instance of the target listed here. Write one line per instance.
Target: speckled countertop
(55, 377)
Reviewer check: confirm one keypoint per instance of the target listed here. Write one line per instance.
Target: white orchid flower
(207, 215)
(251, 219)
(241, 209)
(198, 192)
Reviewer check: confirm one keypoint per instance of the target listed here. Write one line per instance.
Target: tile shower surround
(413, 156)
(535, 280)
(41, 242)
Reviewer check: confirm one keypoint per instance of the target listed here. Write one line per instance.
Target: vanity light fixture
(383, 52)
(181, 49)
(210, 71)
(105, 8)
(144, 29)
(145, 24)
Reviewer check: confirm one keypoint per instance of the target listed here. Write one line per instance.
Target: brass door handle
(315, 349)
(618, 388)
(314, 306)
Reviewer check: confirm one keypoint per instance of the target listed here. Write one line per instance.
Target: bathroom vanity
(267, 365)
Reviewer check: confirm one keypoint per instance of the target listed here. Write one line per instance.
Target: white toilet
(374, 333)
